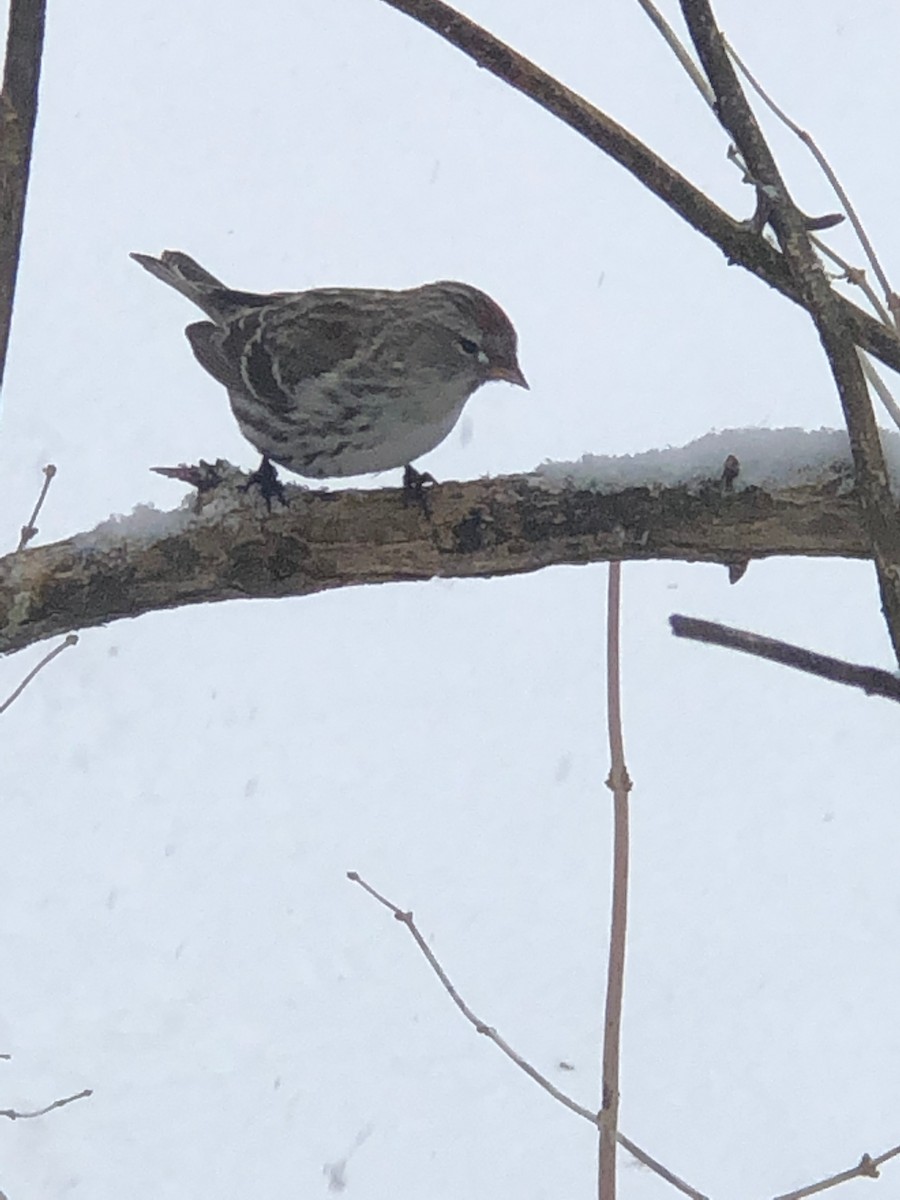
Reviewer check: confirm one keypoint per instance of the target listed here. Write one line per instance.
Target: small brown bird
(344, 381)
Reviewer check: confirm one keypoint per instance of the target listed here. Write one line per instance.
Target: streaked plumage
(344, 381)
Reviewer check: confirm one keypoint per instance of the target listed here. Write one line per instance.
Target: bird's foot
(415, 488)
(265, 477)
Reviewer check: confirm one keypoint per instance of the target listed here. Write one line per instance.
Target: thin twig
(681, 52)
(872, 680)
(855, 276)
(702, 84)
(657, 1168)
(406, 918)
(827, 170)
(822, 303)
(881, 388)
(866, 1168)
(734, 238)
(70, 640)
(29, 530)
(18, 112)
(620, 785)
(15, 1115)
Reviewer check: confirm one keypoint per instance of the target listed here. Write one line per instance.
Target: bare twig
(620, 785)
(739, 243)
(15, 1115)
(827, 170)
(872, 680)
(882, 390)
(702, 84)
(866, 1168)
(820, 300)
(658, 1169)
(406, 918)
(29, 530)
(855, 276)
(681, 52)
(70, 640)
(18, 112)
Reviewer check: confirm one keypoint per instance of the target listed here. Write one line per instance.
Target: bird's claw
(415, 488)
(265, 477)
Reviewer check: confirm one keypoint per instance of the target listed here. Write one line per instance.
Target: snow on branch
(788, 493)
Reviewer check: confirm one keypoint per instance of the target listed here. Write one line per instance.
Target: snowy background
(183, 794)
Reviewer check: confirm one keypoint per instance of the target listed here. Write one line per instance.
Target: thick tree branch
(18, 112)
(233, 549)
(821, 301)
(739, 243)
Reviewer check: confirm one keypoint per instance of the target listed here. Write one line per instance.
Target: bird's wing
(276, 349)
(206, 342)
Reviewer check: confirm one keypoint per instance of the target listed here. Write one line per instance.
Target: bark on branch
(795, 271)
(233, 549)
(819, 299)
(739, 242)
(18, 112)
(872, 680)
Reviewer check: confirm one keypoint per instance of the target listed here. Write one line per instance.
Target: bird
(333, 382)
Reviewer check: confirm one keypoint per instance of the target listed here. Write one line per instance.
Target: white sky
(183, 794)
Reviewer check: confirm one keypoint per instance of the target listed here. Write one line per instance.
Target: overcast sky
(183, 794)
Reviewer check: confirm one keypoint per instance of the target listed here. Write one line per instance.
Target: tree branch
(818, 298)
(866, 1168)
(18, 112)
(406, 918)
(15, 1114)
(828, 171)
(872, 680)
(71, 639)
(230, 548)
(738, 242)
(619, 784)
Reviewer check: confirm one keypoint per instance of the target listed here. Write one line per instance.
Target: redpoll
(344, 381)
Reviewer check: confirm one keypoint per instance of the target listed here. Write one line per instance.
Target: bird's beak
(511, 374)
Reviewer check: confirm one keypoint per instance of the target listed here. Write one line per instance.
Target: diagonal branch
(406, 918)
(872, 680)
(232, 549)
(18, 112)
(70, 640)
(822, 303)
(16, 1114)
(827, 170)
(735, 239)
(866, 1168)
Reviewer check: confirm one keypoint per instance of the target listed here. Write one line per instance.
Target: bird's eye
(469, 346)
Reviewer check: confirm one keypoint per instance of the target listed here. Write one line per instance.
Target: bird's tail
(188, 277)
